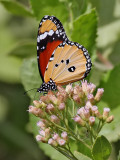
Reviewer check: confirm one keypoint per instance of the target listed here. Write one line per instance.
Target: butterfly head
(45, 87)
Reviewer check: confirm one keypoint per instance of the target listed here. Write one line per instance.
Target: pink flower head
(79, 120)
(99, 94)
(69, 89)
(77, 89)
(38, 137)
(76, 98)
(61, 106)
(88, 105)
(61, 142)
(64, 135)
(84, 86)
(106, 113)
(54, 119)
(110, 119)
(91, 120)
(50, 141)
(90, 88)
(41, 124)
(42, 133)
(53, 99)
(50, 107)
(55, 136)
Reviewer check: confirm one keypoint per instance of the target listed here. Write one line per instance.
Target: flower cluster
(69, 107)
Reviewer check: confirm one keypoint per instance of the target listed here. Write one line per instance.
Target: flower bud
(55, 136)
(61, 106)
(39, 104)
(76, 98)
(97, 114)
(61, 97)
(40, 138)
(53, 99)
(52, 142)
(61, 89)
(42, 133)
(36, 111)
(54, 119)
(84, 113)
(69, 89)
(61, 142)
(47, 133)
(110, 119)
(90, 88)
(90, 98)
(50, 107)
(45, 99)
(84, 86)
(88, 105)
(91, 120)
(79, 120)
(64, 135)
(99, 94)
(41, 124)
(77, 89)
(106, 113)
(94, 109)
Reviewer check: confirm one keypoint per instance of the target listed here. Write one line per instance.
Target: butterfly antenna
(30, 90)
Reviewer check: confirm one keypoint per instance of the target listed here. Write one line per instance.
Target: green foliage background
(94, 24)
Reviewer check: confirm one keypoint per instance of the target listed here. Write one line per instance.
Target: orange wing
(50, 34)
(69, 62)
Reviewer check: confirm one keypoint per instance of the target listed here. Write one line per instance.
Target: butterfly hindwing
(69, 62)
(50, 34)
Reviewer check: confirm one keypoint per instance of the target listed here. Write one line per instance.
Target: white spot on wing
(51, 32)
(43, 36)
(38, 39)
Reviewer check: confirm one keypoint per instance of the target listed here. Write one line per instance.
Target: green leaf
(80, 156)
(16, 8)
(111, 85)
(115, 55)
(49, 7)
(30, 75)
(85, 30)
(24, 49)
(80, 147)
(48, 150)
(101, 149)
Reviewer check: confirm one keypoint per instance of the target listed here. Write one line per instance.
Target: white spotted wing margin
(69, 62)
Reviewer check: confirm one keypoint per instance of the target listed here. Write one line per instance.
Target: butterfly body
(60, 61)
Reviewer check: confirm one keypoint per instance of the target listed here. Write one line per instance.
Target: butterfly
(60, 61)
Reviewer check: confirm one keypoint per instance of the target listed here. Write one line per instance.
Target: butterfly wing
(69, 62)
(50, 34)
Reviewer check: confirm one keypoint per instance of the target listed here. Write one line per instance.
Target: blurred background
(18, 32)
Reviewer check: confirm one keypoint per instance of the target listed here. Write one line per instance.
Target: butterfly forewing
(50, 34)
(69, 63)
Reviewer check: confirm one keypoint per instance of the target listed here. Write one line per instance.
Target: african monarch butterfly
(60, 61)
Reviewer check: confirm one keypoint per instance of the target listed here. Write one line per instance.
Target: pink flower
(64, 135)
(106, 113)
(61, 106)
(79, 120)
(91, 120)
(61, 142)
(50, 107)
(99, 94)
(55, 136)
(54, 119)
(41, 124)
